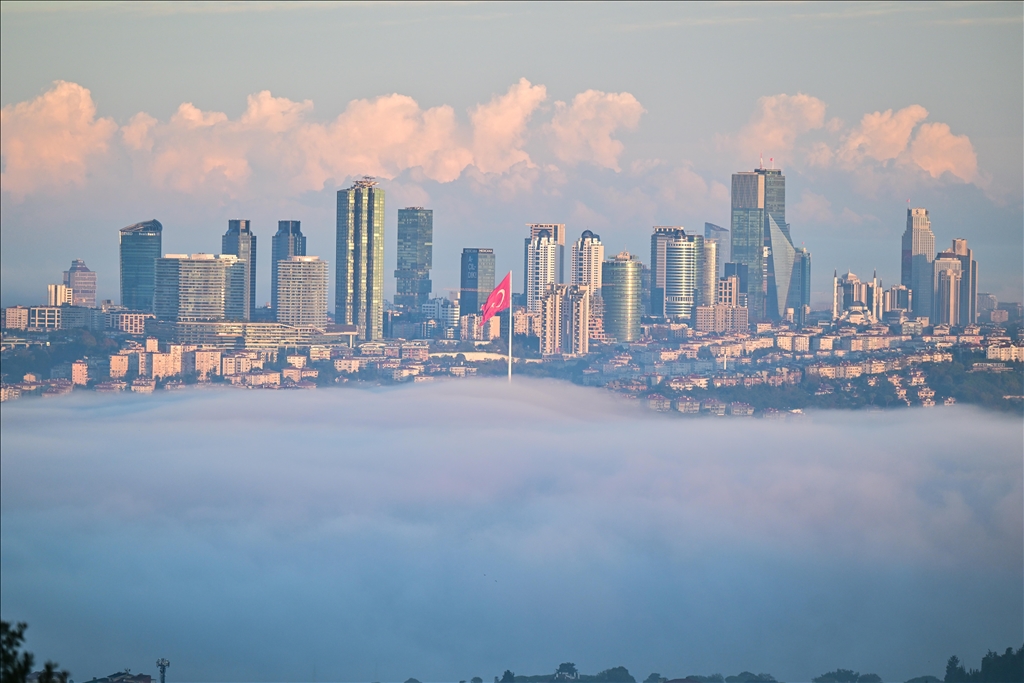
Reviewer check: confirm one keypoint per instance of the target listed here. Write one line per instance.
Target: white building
(541, 268)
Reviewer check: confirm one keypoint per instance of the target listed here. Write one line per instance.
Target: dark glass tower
(760, 240)
(140, 248)
(359, 263)
(239, 241)
(415, 256)
(289, 241)
(477, 279)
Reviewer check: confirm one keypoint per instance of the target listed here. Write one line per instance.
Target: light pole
(162, 664)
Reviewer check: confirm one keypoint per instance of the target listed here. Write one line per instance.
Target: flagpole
(511, 325)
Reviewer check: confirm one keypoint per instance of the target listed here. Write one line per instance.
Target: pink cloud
(776, 124)
(582, 132)
(49, 141)
(936, 150)
(499, 127)
(882, 135)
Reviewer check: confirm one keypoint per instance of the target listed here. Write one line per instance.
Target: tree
(566, 671)
(955, 672)
(50, 674)
(15, 666)
(508, 677)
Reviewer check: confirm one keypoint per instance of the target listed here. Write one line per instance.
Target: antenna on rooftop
(761, 165)
(162, 664)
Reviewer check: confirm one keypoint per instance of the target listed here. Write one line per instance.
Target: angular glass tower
(359, 264)
(415, 257)
(239, 241)
(141, 245)
(620, 290)
(477, 279)
(287, 242)
(747, 235)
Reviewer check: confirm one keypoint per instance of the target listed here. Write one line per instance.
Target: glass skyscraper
(720, 235)
(415, 257)
(916, 260)
(239, 241)
(82, 282)
(359, 265)
(140, 248)
(477, 279)
(620, 290)
(287, 242)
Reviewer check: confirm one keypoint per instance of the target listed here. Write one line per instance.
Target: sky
(613, 118)
(420, 531)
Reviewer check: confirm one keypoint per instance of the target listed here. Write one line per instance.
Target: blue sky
(608, 117)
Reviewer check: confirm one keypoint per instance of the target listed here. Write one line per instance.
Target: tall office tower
(415, 256)
(59, 295)
(565, 320)
(916, 260)
(140, 248)
(620, 290)
(83, 283)
(720, 235)
(200, 287)
(663, 234)
(287, 241)
(947, 276)
(968, 282)
(302, 291)
(557, 233)
(541, 268)
(477, 279)
(708, 273)
(359, 266)
(587, 257)
(239, 241)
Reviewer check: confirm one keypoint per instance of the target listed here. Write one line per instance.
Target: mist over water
(449, 530)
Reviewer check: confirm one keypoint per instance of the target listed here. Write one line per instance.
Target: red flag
(499, 299)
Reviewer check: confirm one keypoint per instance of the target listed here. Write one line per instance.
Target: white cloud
(882, 135)
(775, 126)
(936, 150)
(582, 132)
(499, 127)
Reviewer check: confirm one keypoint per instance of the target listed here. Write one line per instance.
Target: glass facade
(477, 279)
(620, 291)
(720, 235)
(239, 241)
(287, 242)
(82, 282)
(415, 257)
(359, 262)
(141, 246)
(747, 235)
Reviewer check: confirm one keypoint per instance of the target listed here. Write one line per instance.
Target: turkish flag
(499, 299)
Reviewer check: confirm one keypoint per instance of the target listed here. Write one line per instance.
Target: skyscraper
(747, 236)
(82, 282)
(682, 272)
(968, 282)
(800, 288)
(477, 279)
(359, 264)
(541, 268)
(302, 291)
(947, 276)
(586, 260)
(59, 295)
(565, 320)
(140, 248)
(415, 256)
(720, 235)
(916, 260)
(200, 287)
(620, 290)
(557, 233)
(239, 241)
(288, 241)
(662, 235)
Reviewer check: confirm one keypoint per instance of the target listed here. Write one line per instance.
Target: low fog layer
(458, 529)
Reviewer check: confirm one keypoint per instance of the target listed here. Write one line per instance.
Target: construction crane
(162, 664)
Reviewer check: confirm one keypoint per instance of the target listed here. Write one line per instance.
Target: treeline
(995, 668)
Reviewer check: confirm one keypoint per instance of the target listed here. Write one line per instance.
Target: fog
(450, 530)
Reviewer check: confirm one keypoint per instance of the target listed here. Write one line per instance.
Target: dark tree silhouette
(15, 666)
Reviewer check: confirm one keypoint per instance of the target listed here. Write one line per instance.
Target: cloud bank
(460, 529)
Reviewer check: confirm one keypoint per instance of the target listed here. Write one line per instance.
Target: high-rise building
(302, 291)
(565, 320)
(443, 311)
(708, 273)
(947, 274)
(682, 272)
(721, 236)
(556, 231)
(140, 247)
(586, 260)
(620, 291)
(477, 279)
(200, 287)
(916, 260)
(662, 235)
(415, 257)
(359, 265)
(800, 287)
(288, 241)
(82, 282)
(239, 241)
(968, 282)
(541, 268)
(59, 295)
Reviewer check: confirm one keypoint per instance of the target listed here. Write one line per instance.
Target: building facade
(241, 242)
(288, 241)
(200, 288)
(968, 282)
(302, 291)
(82, 282)
(415, 257)
(585, 261)
(359, 262)
(59, 295)
(557, 233)
(720, 235)
(620, 291)
(541, 268)
(476, 279)
(140, 247)
(565, 321)
(947, 277)
(916, 258)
